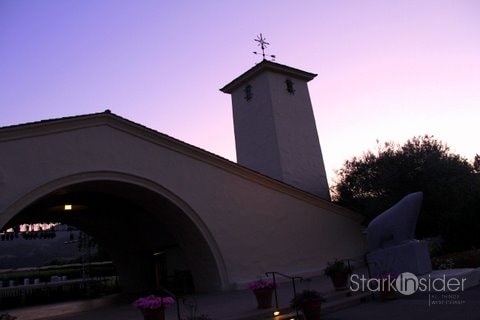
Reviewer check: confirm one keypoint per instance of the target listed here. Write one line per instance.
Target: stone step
(334, 301)
(345, 301)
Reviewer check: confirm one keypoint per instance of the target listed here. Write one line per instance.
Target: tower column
(275, 131)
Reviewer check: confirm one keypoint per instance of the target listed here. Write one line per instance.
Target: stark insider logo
(406, 283)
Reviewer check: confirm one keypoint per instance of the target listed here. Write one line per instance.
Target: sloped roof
(263, 66)
(107, 118)
(50, 126)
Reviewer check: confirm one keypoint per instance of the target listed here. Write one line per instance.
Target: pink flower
(153, 302)
(261, 284)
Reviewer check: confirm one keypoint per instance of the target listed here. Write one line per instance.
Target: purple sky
(387, 70)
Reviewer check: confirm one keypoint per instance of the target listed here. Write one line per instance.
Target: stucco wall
(276, 135)
(254, 224)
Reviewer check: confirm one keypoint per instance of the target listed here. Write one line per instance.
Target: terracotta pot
(153, 314)
(312, 310)
(264, 298)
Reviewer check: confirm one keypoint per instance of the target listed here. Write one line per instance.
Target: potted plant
(338, 271)
(153, 307)
(263, 290)
(193, 312)
(309, 302)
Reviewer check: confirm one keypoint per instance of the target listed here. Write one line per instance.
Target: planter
(153, 314)
(340, 280)
(264, 297)
(312, 310)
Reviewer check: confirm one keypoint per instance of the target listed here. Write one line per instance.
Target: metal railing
(177, 302)
(294, 288)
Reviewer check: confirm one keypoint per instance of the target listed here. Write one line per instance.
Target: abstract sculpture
(392, 247)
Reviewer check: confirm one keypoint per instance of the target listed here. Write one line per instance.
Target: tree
(476, 163)
(451, 207)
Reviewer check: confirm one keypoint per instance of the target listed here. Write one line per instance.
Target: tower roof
(263, 66)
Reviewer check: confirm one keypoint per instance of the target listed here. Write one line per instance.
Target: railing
(372, 294)
(348, 263)
(177, 302)
(60, 290)
(292, 278)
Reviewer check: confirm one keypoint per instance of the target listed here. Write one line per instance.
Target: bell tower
(275, 131)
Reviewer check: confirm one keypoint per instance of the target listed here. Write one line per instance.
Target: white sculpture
(395, 225)
(392, 247)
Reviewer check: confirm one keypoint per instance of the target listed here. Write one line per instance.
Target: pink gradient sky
(387, 70)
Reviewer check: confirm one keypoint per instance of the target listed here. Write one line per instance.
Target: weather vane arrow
(262, 42)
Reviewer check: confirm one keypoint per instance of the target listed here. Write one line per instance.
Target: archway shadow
(154, 239)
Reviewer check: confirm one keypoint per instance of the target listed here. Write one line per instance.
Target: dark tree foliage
(476, 163)
(450, 185)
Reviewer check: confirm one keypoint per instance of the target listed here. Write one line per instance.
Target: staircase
(335, 300)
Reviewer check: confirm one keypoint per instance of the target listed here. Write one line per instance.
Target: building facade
(163, 207)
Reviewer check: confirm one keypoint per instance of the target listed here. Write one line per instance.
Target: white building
(161, 206)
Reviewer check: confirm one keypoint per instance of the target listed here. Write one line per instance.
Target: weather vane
(263, 44)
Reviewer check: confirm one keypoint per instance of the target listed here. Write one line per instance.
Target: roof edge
(52, 126)
(21, 126)
(266, 65)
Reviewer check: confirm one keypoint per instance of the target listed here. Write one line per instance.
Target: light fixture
(67, 207)
(276, 313)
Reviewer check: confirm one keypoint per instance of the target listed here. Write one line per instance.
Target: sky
(387, 70)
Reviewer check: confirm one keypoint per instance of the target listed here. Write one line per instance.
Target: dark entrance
(142, 231)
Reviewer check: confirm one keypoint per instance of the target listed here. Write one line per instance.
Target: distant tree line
(375, 181)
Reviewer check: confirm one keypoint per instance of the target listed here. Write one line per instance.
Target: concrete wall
(251, 223)
(275, 132)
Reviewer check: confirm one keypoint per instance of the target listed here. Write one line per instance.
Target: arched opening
(153, 238)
